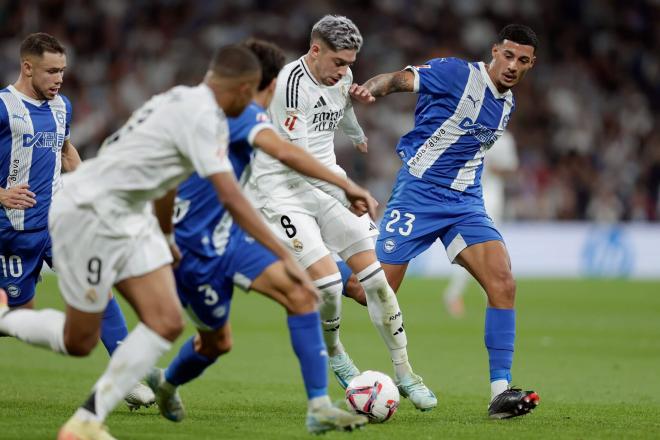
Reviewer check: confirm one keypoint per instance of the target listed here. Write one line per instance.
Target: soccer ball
(374, 395)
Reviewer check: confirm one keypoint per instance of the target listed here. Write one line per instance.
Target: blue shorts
(22, 254)
(419, 212)
(205, 285)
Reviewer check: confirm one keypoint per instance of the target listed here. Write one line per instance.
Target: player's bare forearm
(163, 209)
(386, 83)
(70, 157)
(296, 158)
(244, 214)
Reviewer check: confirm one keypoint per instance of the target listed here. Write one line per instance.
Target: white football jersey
(501, 156)
(306, 113)
(164, 141)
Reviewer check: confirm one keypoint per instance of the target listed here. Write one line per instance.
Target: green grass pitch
(590, 348)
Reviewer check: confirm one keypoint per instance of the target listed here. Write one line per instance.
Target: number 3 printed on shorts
(395, 216)
(288, 226)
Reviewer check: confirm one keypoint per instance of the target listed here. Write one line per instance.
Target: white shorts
(313, 224)
(91, 257)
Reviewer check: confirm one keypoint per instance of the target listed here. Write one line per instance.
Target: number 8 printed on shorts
(395, 216)
(288, 226)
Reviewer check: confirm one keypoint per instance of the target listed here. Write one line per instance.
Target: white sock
(457, 281)
(330, 311)
(318, 402)
(498, 387)
(386, 315)
(130, 362)
(43, 328)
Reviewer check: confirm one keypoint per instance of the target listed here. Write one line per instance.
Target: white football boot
(167, 396)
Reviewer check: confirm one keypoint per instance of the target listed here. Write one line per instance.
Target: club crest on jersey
(60, 117)
(44, 139)
(297, 245)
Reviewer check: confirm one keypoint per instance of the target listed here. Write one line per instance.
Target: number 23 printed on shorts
(401, 223)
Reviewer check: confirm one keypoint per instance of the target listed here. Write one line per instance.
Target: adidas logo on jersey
(320, 103)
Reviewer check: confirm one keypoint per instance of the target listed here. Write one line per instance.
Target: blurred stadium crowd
(587, 122)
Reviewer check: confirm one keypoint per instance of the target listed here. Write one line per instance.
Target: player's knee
(355, 290)
(221, 345)
(503, 290)
(168, 325)
(79, 343)
(300, 300)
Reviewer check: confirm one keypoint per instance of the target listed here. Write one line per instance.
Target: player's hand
(18, 197)
(300, 276)
(362, 147)
(361, 94)
(361, 201)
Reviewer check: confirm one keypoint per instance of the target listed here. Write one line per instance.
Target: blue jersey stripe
(201, 223)
(458, 117)
(32, 134)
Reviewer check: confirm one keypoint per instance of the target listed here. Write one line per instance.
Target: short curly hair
(519, 33)
(338, 32)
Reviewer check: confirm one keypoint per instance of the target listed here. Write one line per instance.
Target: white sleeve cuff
(413, 69)
(256, 129)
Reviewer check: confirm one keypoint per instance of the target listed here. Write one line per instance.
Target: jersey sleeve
(350, 125)
(69, 117)
(289, 108)
(205, 143)
(261, 122)
(436, 76)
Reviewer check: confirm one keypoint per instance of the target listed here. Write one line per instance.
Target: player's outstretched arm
(300, 160)
(351, 128)
(386, 83)
(247, 218)
(17, 197)
(70, 157)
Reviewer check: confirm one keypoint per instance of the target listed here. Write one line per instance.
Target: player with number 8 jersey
(311, 217)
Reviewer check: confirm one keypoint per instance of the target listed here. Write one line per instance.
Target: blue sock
(500, 333)
(187, 365)
(307, 342)
(346, 273)
(113, 326)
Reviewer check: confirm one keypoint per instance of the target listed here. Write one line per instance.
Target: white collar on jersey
(25, 97)
(309, 72)
(491, 85)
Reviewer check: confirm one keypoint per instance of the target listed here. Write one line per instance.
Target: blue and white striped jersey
(32, 134)
(201, 223)
(459, 116)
